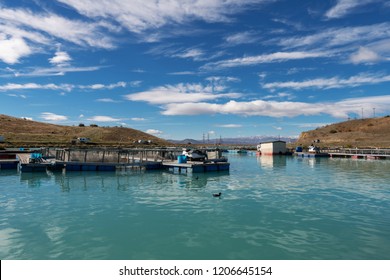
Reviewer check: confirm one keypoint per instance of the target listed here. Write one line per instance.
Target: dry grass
(372, 132)
(21, 132)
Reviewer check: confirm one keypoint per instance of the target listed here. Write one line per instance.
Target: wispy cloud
(47, 116)
(182, 73)
(62, 87)
(344, 40)
(334, 82)
(51, 71)
(333, 37)
(79, 32)
(344, 7)
(265, 58)
(138, 15)
(195, 54)
(30, 86)
(138, 119)
(246, 37)
(339, 109)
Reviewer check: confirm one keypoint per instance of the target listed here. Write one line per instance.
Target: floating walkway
(360, 153)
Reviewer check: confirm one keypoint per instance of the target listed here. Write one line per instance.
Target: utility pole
(373, 109)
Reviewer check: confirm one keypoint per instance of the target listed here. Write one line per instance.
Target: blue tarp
(36, 156)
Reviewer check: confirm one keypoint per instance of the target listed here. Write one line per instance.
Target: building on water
(277, 147)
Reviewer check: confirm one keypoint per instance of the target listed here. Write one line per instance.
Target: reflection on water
(271, 208)
(272, 161)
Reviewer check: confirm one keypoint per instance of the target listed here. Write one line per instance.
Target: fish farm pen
(109, 159)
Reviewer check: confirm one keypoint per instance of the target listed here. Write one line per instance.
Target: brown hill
(372, 132)
(22, 132)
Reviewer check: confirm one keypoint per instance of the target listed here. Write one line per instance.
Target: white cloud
(53, 117)
(138, 119)
(260, 59)
(231, 125)
(12, 49)
(60, 59)
(335, 82)
(344, 7)
(180, 93)
(102, 86)
(103, 119)
(365, 55)
(339, 109)
(154, 131)
(107, 100)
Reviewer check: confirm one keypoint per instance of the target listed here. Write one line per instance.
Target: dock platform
(311, 155)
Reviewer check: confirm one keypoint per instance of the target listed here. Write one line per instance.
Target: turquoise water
(270, 208)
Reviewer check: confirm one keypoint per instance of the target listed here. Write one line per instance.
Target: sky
(184, 69)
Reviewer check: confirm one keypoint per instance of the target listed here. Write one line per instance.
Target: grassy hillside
(372, 132)
(21, 132)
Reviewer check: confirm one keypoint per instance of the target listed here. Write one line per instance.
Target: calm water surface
(271, 208)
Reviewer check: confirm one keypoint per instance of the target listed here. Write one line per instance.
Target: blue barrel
(298, 149)
(181, 159)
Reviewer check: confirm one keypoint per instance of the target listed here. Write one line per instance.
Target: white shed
(83, 139)
(272, 148)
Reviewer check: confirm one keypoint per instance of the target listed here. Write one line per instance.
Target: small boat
(314, 150)
(194, 155)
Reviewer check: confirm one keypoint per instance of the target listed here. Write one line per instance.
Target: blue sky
(181, 69)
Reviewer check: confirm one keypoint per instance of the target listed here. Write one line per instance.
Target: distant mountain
(253, 140)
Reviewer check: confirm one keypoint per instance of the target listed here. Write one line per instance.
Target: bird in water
(217, 194)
